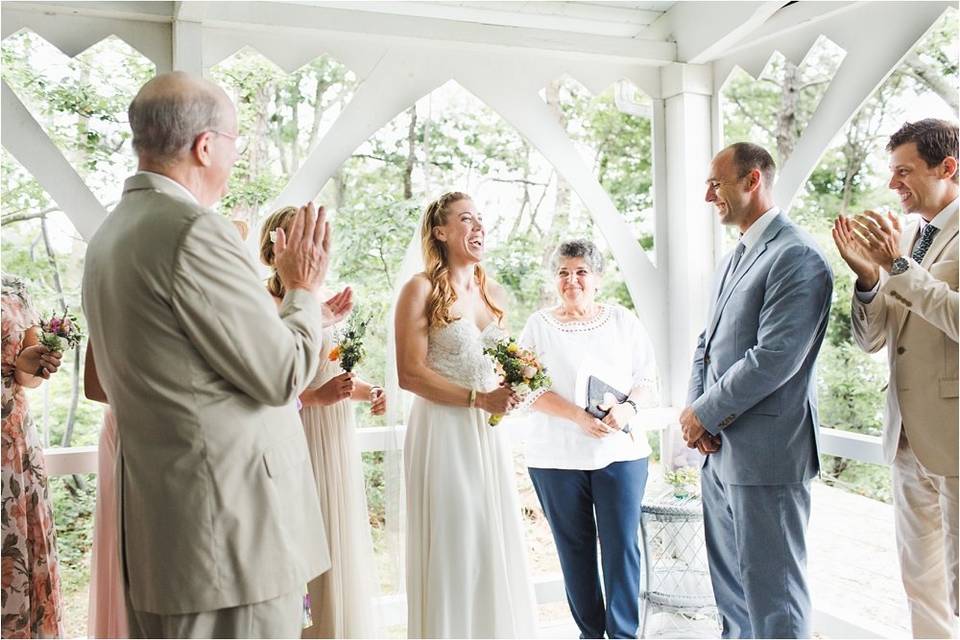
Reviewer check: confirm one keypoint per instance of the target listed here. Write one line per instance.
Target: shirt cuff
(866, 297)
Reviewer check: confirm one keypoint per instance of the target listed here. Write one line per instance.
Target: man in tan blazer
(221, 525)
(906, 299)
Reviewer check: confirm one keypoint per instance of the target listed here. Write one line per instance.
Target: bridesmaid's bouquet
(349, 349)
(519, 368)
(61, 330)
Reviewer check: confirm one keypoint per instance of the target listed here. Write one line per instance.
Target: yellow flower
(513, 347)
(334, 354)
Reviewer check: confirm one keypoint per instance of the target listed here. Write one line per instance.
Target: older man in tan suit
(906, 299)
(221, 525)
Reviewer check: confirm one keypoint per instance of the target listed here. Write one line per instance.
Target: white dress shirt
(754, 231)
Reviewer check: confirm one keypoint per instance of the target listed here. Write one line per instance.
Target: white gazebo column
(688, 145)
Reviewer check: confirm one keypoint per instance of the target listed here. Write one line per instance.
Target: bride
(466, 563)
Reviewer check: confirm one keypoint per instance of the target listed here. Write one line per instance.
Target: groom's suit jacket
(753, 379)
(219, 506)
(915, 316)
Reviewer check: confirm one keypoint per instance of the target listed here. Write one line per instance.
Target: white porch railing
(845, 444)
(548, 588)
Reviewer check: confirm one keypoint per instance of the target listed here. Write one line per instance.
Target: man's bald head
(170, 111)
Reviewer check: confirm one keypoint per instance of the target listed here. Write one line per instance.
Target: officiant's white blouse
(613, 347)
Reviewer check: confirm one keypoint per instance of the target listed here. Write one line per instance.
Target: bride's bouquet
(519, 368)
(59, 330)
(349, 349)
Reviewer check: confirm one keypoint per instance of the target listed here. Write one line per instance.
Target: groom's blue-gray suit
(753, 383)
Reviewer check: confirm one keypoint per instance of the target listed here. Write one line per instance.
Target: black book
(596, 390)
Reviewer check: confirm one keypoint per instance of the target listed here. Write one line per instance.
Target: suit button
(901, 350)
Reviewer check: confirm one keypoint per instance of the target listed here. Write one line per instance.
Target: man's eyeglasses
(239, 142)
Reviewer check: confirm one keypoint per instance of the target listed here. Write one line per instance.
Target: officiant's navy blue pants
(580, 507)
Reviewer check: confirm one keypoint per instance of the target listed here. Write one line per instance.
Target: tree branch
(531, 183)
(752, 118)
(10, 218)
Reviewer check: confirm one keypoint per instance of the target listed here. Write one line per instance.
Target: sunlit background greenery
(448, 140)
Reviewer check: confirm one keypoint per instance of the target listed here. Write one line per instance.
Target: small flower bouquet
(519, 368)
(349, 349)
(60, 332)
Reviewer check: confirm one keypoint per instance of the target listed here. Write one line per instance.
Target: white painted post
(187, 44)
(689, 252)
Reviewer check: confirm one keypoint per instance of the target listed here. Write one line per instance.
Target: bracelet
(472, 401)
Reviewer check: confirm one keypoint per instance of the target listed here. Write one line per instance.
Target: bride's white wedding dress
(466, 561)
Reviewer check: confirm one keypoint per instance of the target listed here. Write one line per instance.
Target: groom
(221, 526)
(753, 403)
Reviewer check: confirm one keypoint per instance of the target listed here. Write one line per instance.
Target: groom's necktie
(737, 254)
(926, 239)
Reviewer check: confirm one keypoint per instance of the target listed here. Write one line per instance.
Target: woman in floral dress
(32, 606)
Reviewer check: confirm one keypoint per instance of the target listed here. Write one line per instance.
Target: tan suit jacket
(219, 507)
(915, 316)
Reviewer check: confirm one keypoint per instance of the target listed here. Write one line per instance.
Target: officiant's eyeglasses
(239, 142)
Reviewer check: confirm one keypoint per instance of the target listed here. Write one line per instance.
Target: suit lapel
(746, 262)
(940, 242)
(937, 247)
(907, 240)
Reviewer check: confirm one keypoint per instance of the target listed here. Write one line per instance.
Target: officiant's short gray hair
(170, 111)
(579, 248)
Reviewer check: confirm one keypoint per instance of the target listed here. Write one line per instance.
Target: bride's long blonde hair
(437, 269)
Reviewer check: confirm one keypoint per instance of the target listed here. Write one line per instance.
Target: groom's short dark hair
(748, 156)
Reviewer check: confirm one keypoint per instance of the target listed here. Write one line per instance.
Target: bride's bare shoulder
(418, 286)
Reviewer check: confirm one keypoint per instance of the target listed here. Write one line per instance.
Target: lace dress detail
(455, 351)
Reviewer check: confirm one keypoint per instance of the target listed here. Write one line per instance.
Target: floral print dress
(31, 577)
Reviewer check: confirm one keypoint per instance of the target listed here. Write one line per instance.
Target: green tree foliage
(448, 140)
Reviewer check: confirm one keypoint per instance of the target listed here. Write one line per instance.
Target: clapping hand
(38, 361)
(338, 307)
(302, 259)
(854, 255)
(878, 237)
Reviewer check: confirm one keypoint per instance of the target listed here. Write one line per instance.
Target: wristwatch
(632, 404)
(899, 265)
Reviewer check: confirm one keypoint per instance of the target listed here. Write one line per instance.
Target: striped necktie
(926, 239)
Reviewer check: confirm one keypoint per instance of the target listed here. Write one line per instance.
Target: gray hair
(165, 123)
(579, 248)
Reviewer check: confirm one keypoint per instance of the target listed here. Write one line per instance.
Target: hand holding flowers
(59, 332)
(350, 350)
(518, 368)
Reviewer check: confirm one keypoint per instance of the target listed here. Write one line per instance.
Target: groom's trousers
(280, 617)
(756, 549)
(582, 506)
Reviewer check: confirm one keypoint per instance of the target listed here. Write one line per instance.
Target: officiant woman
(589, 474)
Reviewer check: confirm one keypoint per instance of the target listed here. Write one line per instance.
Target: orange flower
(334, 354)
